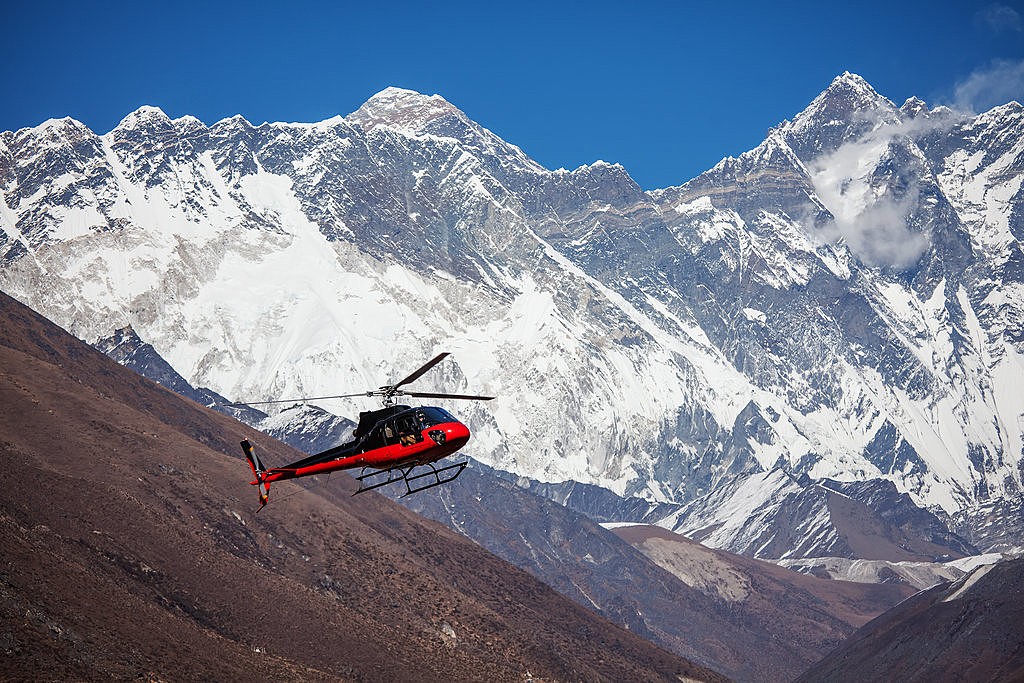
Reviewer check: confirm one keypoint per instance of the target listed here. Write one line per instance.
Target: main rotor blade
(424, 394)
(416, 375)
(294, 400)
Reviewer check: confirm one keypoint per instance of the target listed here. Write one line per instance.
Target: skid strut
(435, 476)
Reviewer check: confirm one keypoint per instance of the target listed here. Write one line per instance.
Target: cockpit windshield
(432, 416)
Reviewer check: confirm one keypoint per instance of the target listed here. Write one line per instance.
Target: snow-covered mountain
(301, 425)
(844, 301)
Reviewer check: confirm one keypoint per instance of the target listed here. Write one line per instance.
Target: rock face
(969, 629)
(843, 302)
(129, 538)
(774, 516)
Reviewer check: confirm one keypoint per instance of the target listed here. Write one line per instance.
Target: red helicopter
(393, 442)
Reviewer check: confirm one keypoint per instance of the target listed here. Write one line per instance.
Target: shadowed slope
(967, 630)
(807, 616)
(769, 624)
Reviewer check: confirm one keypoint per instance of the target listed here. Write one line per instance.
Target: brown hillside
(130, 550)
(808, 615)
(971, 629)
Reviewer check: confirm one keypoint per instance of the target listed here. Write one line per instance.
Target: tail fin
(259, 471)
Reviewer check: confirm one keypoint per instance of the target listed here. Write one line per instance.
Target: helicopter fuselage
(405, 437)
(393, 442)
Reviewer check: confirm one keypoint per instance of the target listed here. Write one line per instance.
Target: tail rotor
(258, 471)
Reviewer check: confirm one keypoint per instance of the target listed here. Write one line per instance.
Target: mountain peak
(393, 92)
(914, 107)
(851, 81)
(402, 108)
(847, 108)
(144, 113)
(61, 126)
(1011, 108)
(236, 121)
(146, 117)
(187, 121)
(849, 93)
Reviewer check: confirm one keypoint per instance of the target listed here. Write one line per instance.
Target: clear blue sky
(664, 88)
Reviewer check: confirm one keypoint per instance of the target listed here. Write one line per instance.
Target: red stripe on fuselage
(394, 455)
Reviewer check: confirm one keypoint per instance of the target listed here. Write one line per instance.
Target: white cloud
(868, 218)
(880, 235)
(998, 18)
(991, 86)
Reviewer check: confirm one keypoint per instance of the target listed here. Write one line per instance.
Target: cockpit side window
(378, 437)
(409, 429)
(432, 416)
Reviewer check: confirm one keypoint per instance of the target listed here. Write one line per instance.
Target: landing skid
(435, 477)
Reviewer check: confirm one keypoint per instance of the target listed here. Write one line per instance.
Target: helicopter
(397, 443)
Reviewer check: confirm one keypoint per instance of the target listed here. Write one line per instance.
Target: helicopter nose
(458, 434)
(451, 435)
